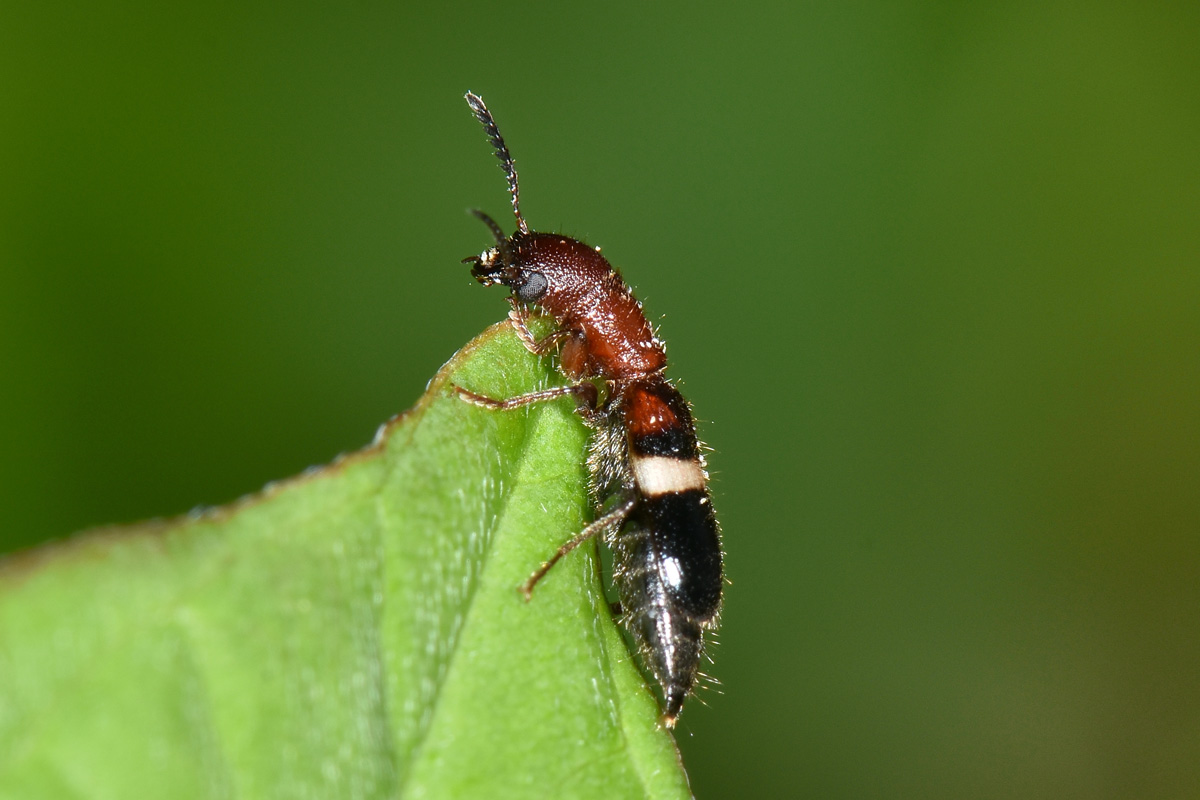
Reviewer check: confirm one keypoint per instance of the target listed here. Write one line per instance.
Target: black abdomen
(667, 554)
(667, 569)
(685, 548)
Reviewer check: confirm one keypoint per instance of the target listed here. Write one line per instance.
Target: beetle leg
(584, 393)
(519, 317)
(605, 523)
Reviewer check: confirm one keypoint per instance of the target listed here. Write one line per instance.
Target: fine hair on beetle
(647, 477)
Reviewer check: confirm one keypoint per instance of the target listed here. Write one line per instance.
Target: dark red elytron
(648, 482)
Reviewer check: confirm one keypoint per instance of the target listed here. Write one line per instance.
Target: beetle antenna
(493, 226)
(506, 160)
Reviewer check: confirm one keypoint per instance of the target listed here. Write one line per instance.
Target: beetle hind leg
(610, 520)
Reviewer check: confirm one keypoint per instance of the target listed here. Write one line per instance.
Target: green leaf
(353, 632)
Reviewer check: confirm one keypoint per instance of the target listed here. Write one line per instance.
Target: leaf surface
(353, 632)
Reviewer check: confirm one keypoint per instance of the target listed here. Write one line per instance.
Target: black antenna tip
(476, 103)
(480, 110)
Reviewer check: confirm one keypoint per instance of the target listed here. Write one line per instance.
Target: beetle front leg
(519, 317)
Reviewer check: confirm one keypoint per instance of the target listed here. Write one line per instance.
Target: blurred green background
(928, 272)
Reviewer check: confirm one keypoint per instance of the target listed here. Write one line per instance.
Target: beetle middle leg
(585, 395)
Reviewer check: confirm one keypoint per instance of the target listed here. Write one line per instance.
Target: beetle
(648, 482)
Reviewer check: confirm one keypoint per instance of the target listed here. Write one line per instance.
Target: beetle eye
(532, 288)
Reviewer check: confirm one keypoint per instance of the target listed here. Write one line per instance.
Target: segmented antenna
(497, 232)
(510, 170)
